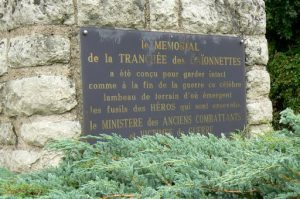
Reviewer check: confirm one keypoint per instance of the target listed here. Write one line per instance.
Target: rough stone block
(258, 84)
(27, 160)
(260, 129)
(39, 133)
(256, 50)
(260, 112)
(252, 16)
(164, 14)
(2, 158)
(15, 14)
(232, 16)
(1, 97)
(113, 13)
(202, 16)
(3, 62)
(38, 50)
(7, 135)
(48, 159)
(21, 160)
(39, 95)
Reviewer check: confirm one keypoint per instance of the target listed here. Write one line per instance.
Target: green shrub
(283, 34)
(161, 166)
(284, 71)
(283, 19)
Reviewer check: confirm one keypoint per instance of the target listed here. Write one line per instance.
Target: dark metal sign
(139, 83)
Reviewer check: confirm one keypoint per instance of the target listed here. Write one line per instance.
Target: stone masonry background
(40, 82)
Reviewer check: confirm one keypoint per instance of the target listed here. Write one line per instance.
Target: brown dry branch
(119, 196)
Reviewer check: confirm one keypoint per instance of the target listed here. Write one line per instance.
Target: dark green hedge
(284, 68)
(283, 20)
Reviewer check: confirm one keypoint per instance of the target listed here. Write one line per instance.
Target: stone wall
(40, 84)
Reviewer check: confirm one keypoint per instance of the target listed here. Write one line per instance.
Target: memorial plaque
(142, 83)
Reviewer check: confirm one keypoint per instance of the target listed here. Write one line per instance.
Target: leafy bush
(284, 70)
(193, 166)
(283, 20)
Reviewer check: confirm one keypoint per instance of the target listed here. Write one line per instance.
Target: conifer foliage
(161, 166)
